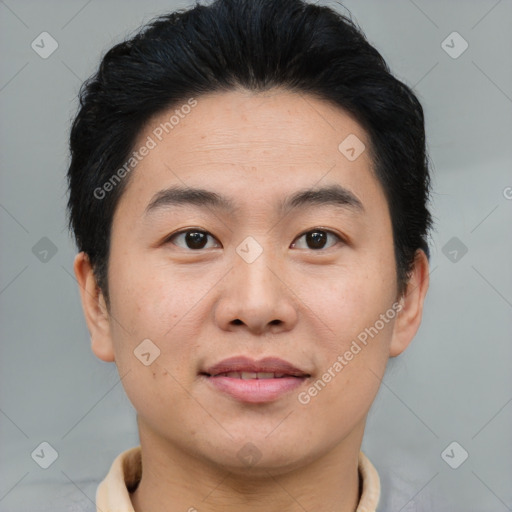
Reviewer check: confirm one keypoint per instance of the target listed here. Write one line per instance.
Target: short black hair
(255, 45)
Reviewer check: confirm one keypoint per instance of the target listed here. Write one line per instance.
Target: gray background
(452, 384)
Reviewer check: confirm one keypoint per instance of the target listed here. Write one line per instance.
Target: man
(248, 192)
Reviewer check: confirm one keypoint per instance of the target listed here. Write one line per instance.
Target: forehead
(279, 122)
(252, 146)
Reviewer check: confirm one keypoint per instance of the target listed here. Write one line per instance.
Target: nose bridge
(253, 268)
(254, 294)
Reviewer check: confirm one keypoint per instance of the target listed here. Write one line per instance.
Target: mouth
(251, 381)
(246, 368)
(253, 375)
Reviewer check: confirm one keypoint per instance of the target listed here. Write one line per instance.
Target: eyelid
(326, 230)
(186, 230)
(305, 232)
(320, 228)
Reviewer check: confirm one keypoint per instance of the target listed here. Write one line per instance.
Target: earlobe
(409, 317)
(94, 307)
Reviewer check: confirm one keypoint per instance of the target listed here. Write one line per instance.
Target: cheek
(353, 299)
(150, 329)
(358, 309)
(140, 314)
(353, 357)
(146, 300)
(159, 303)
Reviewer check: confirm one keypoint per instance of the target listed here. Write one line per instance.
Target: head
(276, 135)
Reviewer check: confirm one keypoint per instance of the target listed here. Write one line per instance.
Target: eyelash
(194, 230)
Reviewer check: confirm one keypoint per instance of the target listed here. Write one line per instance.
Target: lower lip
(256, 390)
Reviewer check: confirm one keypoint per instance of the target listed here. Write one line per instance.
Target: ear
(408, 319)
(95, 309)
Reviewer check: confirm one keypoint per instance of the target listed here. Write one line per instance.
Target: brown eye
(316, 239)
(193, 239)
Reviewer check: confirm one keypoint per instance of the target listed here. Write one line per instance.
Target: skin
(301, 304)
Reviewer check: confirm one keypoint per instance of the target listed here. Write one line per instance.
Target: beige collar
(113, 493)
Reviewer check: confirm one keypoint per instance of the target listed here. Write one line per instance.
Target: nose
(256, 297)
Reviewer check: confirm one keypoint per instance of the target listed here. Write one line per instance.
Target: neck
(177, 481)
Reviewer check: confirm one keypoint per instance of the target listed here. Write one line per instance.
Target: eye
(317, 239)
(193, 239)
(196, 239)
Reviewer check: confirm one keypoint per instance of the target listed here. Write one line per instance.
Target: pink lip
(246, 364)
(255, 390)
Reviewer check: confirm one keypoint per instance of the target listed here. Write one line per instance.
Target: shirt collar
(113, 493)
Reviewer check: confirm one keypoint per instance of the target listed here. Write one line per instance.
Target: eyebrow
(332, 195)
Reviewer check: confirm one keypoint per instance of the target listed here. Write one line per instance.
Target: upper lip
(246, 364)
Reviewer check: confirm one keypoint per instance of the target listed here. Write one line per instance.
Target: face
(257, 275)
